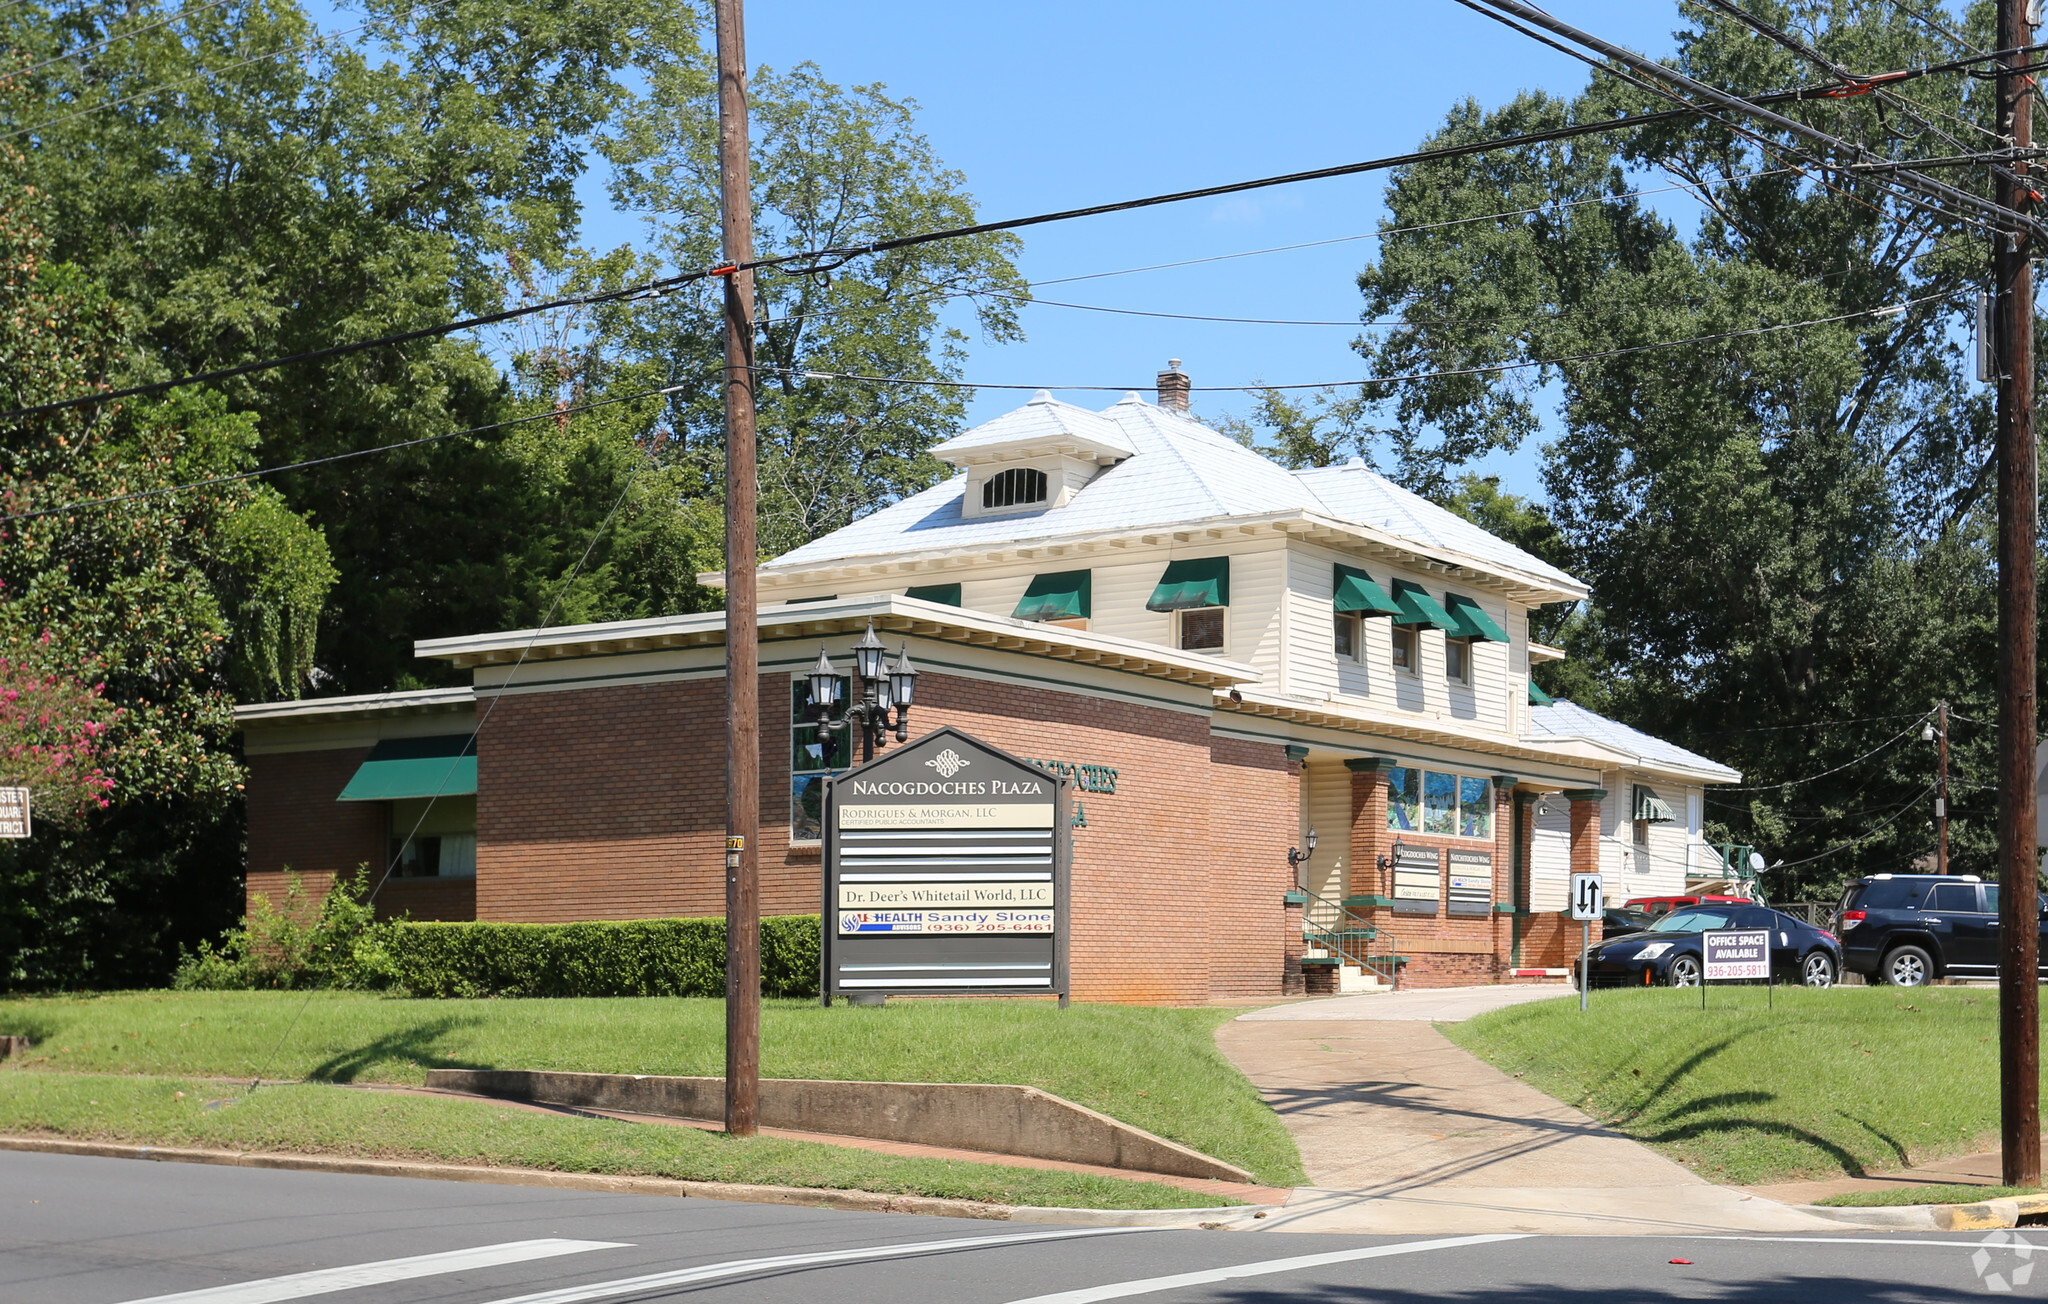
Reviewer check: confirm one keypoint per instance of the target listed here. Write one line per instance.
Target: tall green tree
(1783, 525)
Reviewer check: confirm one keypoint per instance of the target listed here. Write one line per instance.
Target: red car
(1664, 905)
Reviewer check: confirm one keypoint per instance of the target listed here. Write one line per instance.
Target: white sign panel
(924, 896)
(1026, 816)
(930, 922)
(1589, 897)
(1736, 953)
(14, 821)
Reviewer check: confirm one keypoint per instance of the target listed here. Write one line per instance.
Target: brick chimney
(1173, 387)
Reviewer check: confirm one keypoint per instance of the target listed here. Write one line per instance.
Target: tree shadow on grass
(406, 1046)
(1850, 1164)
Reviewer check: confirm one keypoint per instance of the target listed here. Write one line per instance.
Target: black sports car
(1668, 952)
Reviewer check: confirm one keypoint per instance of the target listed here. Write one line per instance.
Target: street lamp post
(881, 691)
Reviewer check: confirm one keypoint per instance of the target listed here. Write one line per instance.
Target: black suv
(1909, 929)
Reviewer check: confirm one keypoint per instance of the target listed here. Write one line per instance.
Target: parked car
(1670, 952)
(1664, 905)
(1618, 921)
(1909, 929)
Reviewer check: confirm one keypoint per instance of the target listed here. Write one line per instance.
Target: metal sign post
(1589, 902)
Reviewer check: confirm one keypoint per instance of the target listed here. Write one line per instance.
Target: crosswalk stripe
(1153, 1285)
(742, 1267)
(299, 1285)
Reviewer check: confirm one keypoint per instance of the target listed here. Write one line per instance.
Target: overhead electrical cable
(83, 50)
(827, 258)
(1677, 86)
(551, 413)
(1891, 742)
(1893, 309)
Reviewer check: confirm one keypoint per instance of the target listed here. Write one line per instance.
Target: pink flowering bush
(54, 738)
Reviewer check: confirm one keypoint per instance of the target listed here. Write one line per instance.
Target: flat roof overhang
(891, 613)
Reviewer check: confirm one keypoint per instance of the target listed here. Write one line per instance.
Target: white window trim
(1179, 644)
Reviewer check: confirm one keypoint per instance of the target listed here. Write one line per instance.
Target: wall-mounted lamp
(1295, 855)
(880, 689)
(1387, 862)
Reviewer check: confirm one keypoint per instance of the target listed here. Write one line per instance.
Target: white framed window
(1344, 636)
(814, 755)
(1458, 660)
(1201, 629)
(1404, 648)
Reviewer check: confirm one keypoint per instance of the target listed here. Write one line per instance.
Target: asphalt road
(110, 1231)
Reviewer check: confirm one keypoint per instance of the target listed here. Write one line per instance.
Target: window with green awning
(1357, 594)
(1652, 808)
(1473, 622)
(946, 595)
(440, 766)
(1537, 697)
(1198, 582)
(1066, 595)
(1416, 607)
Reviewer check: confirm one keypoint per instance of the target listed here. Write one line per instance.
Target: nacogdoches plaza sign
(946, 871)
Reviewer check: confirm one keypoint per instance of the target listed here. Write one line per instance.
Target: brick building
(1228, 656)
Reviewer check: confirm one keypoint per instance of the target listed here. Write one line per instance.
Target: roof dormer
(1035, 458)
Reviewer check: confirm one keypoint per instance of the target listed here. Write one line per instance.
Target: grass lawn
(1853, 1080)
(1899, 1195)
(1156, 1068)
(319, 1119)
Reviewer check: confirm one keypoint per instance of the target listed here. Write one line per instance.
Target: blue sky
(1063, 103)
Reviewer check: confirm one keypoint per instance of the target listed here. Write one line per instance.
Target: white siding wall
(1550, 854)
(1616, 850)
(1329, 813)
(1314, 669)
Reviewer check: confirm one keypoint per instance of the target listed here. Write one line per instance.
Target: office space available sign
(946, 869)
(1731, 953)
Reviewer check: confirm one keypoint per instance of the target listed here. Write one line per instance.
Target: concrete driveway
(1401, 1131)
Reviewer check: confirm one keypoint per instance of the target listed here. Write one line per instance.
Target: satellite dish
(1756, 862)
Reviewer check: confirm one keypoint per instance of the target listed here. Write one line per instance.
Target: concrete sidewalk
(1401, 1131)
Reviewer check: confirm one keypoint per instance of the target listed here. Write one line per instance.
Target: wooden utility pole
(2019, 1027)
(1941, 788)
(742, 643)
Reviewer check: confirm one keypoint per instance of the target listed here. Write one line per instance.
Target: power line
(336, 457)
(1886, 310)
(1891, 742)
(69, 55)
(826, 259)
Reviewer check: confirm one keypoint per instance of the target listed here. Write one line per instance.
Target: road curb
(810, 1197)
(1985, 1215)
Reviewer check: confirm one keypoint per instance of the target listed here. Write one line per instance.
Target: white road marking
(299, 1285)
(1153, 1285)
(742, 1267)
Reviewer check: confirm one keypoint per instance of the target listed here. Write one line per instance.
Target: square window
(1404, 648)
(1457, 659)
(1346, 636)
(1201, 629)
(1440, 803)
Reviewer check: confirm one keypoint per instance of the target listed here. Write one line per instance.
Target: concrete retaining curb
(809, 1197)
(1985, 1215)
(992, 1118)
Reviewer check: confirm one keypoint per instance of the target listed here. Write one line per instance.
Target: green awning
(1537, 697)
(1063, 596)
(441, 766)
(1200, 582)
(1651, 807)
(1418, 608)
(946, 595)
(1356, 592)
(1473, 622)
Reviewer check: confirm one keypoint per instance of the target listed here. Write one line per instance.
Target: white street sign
(14, 813)
(1589, 897)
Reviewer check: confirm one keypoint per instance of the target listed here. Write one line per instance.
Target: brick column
(1585, 828)
(1293, 980)
(1506, 925)
(1369, 839)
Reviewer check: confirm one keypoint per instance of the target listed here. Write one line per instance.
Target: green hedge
(640, 957)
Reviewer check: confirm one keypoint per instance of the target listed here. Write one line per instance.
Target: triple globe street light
(881, 690)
